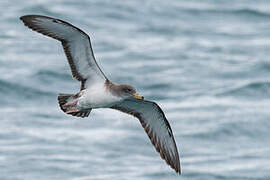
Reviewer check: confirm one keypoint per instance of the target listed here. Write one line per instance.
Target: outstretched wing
(76, 44)
(156, 126)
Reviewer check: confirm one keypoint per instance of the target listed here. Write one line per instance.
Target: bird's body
(97, 91)
(97, 97)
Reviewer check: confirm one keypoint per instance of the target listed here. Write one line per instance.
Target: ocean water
(206, 63)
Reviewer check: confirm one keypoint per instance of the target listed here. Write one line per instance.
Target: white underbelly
(97, 98)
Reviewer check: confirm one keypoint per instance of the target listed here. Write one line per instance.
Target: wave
(242, 12)
(13, 92)
(250, 90)
(248, 12)
(237, 128)
(42, 9)
(48, 75)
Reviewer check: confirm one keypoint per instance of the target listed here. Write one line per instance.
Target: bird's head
(129, 91)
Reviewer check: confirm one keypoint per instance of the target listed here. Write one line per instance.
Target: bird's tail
(68, 104)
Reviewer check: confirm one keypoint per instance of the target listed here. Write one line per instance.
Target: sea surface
(206, 63)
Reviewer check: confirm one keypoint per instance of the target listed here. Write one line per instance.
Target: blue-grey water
(206, 63)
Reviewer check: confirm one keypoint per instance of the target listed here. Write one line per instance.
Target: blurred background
(206, 63)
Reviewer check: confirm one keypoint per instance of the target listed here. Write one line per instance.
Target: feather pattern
(76, 44)
(156, 126)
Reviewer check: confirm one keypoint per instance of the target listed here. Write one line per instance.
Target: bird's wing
(156, 126)
(76, 44)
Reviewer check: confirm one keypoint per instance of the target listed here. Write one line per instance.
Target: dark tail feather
(82, 113)
(64, 99)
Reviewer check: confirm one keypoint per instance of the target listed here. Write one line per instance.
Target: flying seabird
(97, 91)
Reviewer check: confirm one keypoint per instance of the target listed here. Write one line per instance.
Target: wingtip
(24, 17)
(27, 18)
(179, 171)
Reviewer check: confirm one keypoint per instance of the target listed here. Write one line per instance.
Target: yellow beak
(137, 96)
